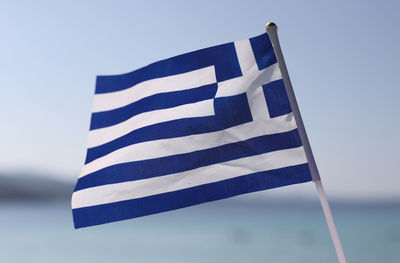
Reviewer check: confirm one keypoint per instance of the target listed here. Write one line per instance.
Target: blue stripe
(263, 51)
(229, 112)
(101, 214)
(182, 162)
(155, 102)
(277, 99)
(222, 57)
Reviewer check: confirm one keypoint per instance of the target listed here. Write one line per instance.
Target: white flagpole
(272, 31)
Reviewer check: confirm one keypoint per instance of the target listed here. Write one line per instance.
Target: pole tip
(270, 25)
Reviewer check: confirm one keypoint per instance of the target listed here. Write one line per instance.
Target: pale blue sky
(343, 58)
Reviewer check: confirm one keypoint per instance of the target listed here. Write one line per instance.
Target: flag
(194, 128)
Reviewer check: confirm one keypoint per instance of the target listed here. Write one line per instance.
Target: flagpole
(272, 31)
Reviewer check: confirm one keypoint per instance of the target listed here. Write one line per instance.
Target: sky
(342, 56)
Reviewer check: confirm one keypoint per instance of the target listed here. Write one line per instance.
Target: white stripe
(191, 110)
(253, 79)
(186, 144)
(163, 184)
(189, 80)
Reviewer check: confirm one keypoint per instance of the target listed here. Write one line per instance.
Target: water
(218, 232)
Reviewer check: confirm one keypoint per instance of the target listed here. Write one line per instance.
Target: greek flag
(194, 128)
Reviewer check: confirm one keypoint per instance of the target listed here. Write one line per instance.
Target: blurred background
(344, 63)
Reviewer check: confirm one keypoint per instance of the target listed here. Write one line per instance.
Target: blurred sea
(223, 231)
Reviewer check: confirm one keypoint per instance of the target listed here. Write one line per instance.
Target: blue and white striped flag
(194, 128)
